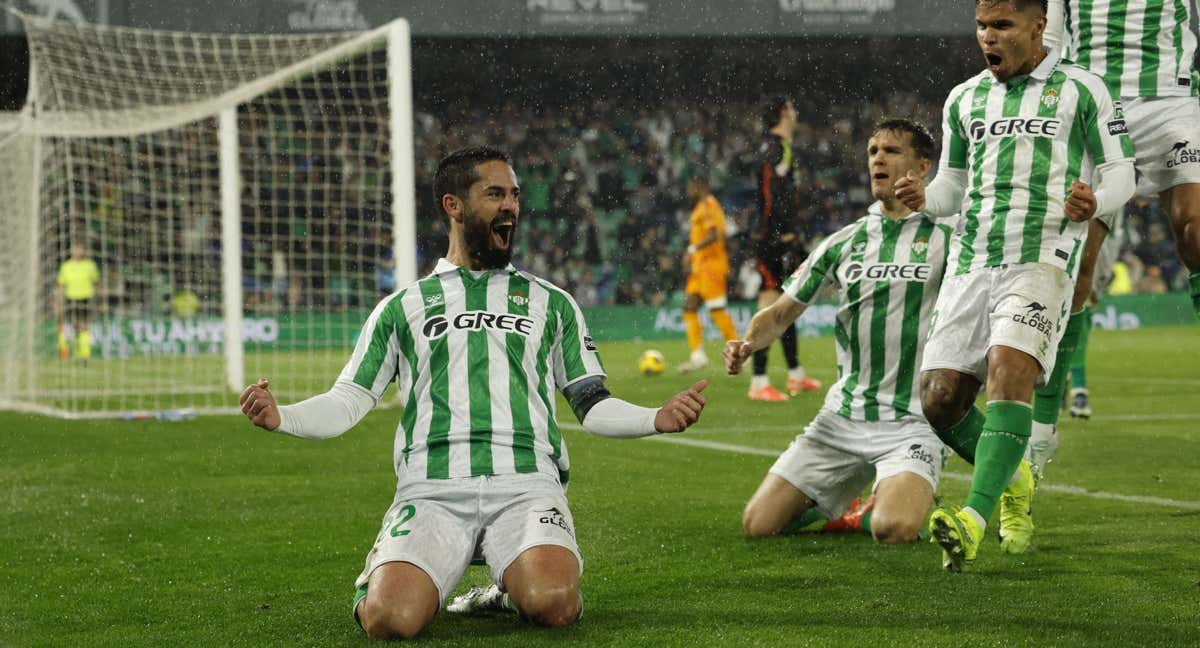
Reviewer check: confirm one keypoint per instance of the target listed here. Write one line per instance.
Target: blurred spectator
(1152, 282)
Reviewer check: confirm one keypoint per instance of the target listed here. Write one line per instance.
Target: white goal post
(246, 200)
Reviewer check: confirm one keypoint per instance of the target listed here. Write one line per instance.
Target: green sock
(1079, 362)
(1194, 284)
(1001, 447)
(964, 436)
(865, 525)
(1047, 399)
(808, 518)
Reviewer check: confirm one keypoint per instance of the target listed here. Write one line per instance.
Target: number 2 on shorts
(405, 514)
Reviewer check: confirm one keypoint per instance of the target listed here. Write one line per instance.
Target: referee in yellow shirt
(74, 300)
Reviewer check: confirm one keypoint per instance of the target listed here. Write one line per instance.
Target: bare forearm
(768, 324)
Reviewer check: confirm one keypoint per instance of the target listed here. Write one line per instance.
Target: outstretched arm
(603, 414)
(321, 417)
(765, 327)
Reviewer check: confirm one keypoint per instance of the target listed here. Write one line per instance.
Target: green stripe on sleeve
(375, 356)
(1087, 113)
(478, 374)
(438, 460)
(956, 157)
(518, 382)
(572, 357)
(813, 274)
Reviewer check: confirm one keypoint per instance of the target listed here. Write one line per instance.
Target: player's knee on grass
(543, 583)
(550, 604)
(772, 507)
(401, 600)
(759, 523)
(383, 620)
(892, 529)
(944, 399)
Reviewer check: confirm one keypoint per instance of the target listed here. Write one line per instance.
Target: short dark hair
(771, 109)
(922, 140)
(456, 172)
(1021, 5)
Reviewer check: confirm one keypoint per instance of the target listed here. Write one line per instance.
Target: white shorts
(1166, 139)
(835, 458)
(442, 525)
(1023, 306)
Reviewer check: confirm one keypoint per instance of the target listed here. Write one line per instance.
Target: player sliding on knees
(476, 348)
(1017, 139)
(886, 267)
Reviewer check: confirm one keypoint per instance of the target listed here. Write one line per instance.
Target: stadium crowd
(603, 210)
(603, 206)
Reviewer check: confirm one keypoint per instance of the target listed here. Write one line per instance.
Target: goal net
(245, 199)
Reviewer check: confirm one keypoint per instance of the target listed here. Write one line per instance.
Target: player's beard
(477, 234)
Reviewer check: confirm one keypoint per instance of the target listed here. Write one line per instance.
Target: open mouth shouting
(502, 233)
(994, 61)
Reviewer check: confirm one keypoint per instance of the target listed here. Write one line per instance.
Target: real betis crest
(920, 246)
(1050, 98)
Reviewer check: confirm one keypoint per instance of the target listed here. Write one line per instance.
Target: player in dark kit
(776, 240)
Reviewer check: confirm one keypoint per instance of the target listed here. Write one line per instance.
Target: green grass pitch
(213, 533)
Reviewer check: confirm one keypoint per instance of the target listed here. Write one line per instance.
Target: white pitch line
(1054, 488)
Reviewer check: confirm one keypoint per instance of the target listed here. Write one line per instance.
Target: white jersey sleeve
(574, 355)
(820, 268)
(375, 362)
(1102, 121)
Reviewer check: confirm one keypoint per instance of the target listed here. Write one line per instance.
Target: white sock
(698, 356)
(975, 514)
(758, 382)
(798, 373)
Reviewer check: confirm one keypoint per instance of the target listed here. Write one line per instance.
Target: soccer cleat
(478, 599)
(851, 520)
(768, 394)
(959, 536)
(1080, 408)
(1016, 512)
(797, 385)
(695, 364)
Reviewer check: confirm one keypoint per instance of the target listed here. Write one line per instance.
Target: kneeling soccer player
(477, 348)
(887, 267)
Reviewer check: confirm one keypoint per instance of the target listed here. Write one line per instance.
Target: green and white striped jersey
(1023, 143)
(1142, 48)
(477, 357)
(887, 275)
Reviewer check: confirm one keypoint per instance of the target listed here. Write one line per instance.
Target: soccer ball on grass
(651, 362)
